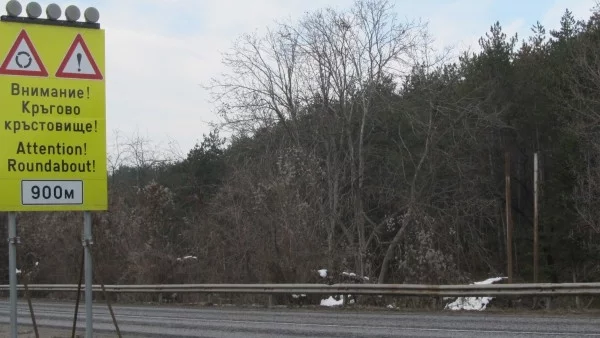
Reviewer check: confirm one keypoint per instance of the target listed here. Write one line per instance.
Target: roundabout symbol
(23, 56)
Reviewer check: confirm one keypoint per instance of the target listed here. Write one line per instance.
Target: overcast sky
(159, 52)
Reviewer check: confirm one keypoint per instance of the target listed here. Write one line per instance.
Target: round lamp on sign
(34, 10)
(91, 15)
(53, 11)
(72, 13)
(13, 8)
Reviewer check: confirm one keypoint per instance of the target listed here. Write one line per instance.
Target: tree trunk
(389, 254)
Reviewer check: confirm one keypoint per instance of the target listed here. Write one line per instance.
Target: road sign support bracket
(14, 240)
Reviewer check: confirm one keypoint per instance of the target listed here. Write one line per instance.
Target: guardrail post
(270, 301)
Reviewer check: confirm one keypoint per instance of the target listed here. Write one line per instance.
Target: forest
(354, 146)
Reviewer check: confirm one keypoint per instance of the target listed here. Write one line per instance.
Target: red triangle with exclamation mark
(79, 63)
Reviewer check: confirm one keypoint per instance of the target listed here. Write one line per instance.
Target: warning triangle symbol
(79, 63)
(23, 59)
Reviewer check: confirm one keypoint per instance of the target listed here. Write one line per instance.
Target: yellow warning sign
(52, 118)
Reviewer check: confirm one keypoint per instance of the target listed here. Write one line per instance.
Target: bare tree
(263, 86)
(330, 64)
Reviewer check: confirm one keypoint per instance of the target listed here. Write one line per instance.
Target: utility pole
(509, 224)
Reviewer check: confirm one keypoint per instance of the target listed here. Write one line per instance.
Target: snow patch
(473, 303)
(469, 303)
(323, 273)
(332, 302)
(490, 280)
(185, 258)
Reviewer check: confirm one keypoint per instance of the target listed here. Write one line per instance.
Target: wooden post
(535, 219)
(509, 224)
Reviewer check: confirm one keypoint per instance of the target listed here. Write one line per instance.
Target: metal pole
(535, 219)
(87, 241)
(12, 271)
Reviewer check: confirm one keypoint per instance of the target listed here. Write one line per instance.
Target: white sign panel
(51, 192)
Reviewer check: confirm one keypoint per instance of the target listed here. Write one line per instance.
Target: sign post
(87, 241)
(52, 123)
(12, 270)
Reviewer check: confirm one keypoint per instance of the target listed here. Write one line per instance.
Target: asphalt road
(169, 321)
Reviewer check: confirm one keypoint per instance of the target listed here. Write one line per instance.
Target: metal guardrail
(490, 290)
